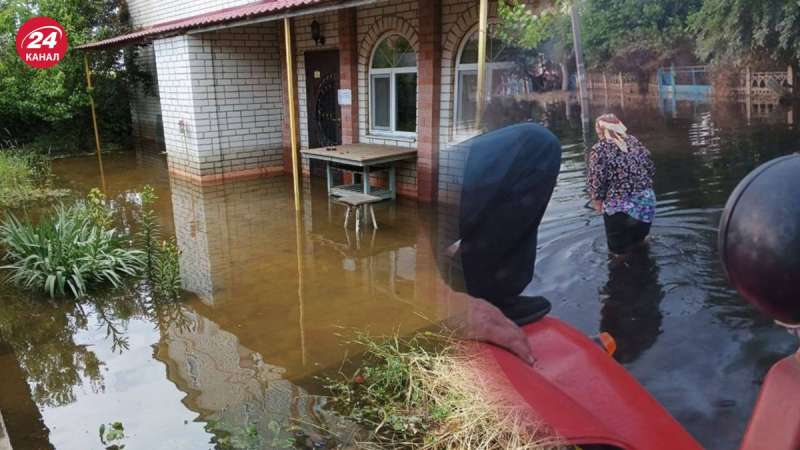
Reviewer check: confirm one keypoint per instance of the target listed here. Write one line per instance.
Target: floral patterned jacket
(623, 181)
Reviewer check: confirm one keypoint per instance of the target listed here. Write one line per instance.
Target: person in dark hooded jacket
(508, 181)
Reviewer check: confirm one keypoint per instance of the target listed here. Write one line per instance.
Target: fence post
(605, 81)
(749, 86)
(790, 79)
(621, 83)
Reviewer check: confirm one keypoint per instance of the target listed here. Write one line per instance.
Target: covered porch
(242, 91)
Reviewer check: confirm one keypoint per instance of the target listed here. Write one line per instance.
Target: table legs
(367, 187)
(329, 169)
(393, 181)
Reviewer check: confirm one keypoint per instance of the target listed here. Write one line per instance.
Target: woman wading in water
(621, 185)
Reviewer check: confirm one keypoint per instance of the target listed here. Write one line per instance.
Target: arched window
(393, 87)
(499, 64)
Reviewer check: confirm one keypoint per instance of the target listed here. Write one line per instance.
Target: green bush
(66, 253)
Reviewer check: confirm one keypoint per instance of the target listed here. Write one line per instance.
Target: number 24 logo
(36, 38)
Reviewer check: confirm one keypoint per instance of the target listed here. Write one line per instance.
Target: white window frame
(471, 130)
(391, 74)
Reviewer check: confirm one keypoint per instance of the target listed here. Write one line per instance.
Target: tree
(532, 35)
(636, 35)
(560, 47)
(51, 105)
(738, 30)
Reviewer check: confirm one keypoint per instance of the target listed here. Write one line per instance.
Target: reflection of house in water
(241, 242)
(703, 136)
(231, 384)
(215, 222)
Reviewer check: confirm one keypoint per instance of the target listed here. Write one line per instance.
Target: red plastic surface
(775, 424)
(586, 396)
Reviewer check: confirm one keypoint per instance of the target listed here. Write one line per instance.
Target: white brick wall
(146, 13)
(247, 96)
(179, 71)
(226, 86)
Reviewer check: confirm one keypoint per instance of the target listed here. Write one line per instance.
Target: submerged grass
(434, 391)
(25, 176)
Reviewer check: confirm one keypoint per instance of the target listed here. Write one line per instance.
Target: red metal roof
(249, 11)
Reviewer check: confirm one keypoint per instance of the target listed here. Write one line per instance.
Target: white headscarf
(609, 127)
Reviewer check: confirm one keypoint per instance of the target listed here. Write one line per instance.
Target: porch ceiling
(262, 11)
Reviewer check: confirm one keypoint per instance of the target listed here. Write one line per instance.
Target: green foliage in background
(25, 175)
(50, 107)
(524, 28)
(631, 35)
(742, 30)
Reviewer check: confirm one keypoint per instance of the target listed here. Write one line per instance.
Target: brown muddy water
(268, 294)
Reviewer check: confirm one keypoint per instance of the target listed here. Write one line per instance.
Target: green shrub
(97, 209)
(65, 253)
(166, 275)
(150, 232)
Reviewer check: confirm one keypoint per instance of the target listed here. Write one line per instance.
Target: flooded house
(397, 73)
(272, 289)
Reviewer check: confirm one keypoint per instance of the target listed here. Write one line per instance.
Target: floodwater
(269, 293)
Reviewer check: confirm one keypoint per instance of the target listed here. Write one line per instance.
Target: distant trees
(51, 106)
(738, 31)
(638, 36)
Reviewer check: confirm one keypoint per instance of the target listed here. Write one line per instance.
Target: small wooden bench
(359, 202)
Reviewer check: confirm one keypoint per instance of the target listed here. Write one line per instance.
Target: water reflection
(263, 316)
(234, 388)
(631, 298)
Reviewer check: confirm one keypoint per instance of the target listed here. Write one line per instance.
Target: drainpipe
(94, 120)
(483, 25)
(287, 25)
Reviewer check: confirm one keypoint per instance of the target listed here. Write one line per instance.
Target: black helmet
(759, 238)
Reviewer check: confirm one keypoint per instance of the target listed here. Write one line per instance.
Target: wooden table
(366, 157)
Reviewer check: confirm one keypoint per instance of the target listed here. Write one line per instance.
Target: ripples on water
(242, 347)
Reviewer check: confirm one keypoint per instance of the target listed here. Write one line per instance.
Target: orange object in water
(606, 341)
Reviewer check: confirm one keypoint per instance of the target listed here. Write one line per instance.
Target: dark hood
(507, 182)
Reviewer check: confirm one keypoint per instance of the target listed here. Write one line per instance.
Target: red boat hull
(775, 424)
(586, 396)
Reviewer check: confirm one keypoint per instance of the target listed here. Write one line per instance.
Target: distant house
(409, 68)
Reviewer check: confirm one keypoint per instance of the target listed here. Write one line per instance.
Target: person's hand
(485, 322)
(598, 205)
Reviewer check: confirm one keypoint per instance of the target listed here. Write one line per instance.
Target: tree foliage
(736, 30)
(630, 34)
(51, 105)
(523, 27)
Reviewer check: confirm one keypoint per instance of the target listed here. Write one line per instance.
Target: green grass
(25, 176)
(65, 253)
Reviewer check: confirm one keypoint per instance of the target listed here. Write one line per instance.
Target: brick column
(286, 127)
(348, 72)
(428, 106)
